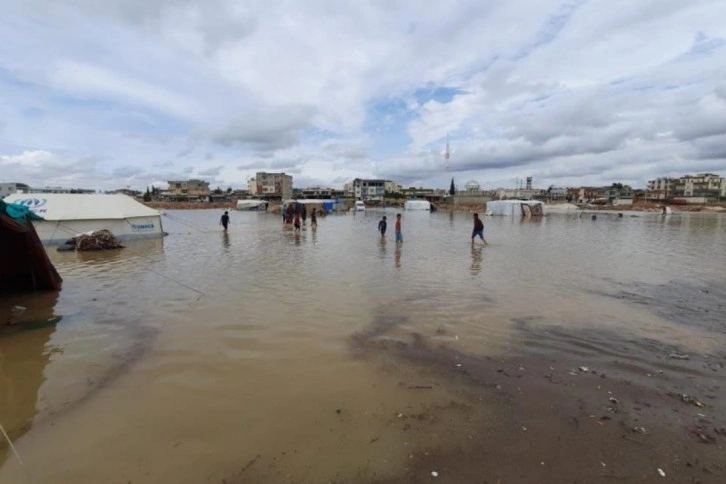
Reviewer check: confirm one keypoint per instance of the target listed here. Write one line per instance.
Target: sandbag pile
(99, 240)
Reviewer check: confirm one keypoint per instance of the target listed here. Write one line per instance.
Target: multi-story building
(661, 188)
(369, 189)
(392, 187)
(704, 185)
(273, 186)
(189, 188)
(252, 187)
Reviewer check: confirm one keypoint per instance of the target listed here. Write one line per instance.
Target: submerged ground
(567, 351)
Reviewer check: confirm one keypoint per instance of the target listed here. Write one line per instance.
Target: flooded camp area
(568, 350)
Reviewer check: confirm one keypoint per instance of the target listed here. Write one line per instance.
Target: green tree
(229, 189)
(147, 195)
(452, 189)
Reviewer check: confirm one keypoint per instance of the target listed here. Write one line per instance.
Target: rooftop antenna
(447, 153)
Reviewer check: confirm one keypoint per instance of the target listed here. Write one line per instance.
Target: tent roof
(71, 206)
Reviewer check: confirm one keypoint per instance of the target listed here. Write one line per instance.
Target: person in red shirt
(399, 236)
(478, 229)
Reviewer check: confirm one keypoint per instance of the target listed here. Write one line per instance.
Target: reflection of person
(475, 260)
(224, 221)
(478, 229)
(398, 257)
(297, 222)
(382, 226)
(399, 235)
(313, 219)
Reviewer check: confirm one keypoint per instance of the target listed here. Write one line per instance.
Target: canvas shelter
(515, 208)
(24, 264)
(66, 215)
(417, 205)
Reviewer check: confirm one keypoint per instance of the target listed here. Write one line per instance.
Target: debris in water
(614, 400)
(584, 369)
(640, 430)
(661, 472)
(434, 474)
(692, 400)
(18, 310)
(678, 356)
(458, 364)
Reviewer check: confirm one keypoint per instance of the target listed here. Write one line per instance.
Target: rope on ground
(187, 223)
(71, 230)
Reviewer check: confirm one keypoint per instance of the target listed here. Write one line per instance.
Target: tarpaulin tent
(24, 264)
(518, 208)
(66, 215)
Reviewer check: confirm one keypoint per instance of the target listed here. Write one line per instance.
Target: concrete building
(189, 188)
(661, 188)
(12, 188)
(704, 186)
(392, 187)
(369, 189)
(273, 186)
(252, 187)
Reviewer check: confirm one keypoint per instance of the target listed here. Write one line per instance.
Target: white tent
(518, 208)
(67, 215)
(417, 205)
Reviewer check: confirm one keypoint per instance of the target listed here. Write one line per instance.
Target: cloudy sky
(114, 93)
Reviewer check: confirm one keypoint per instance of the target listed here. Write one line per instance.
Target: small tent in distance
(515, 208)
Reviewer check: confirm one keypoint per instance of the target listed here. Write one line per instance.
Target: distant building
(705, 185)
(392, 187)
(369, 189)
(661, 188)
(472, 188)
(273, 186)
(188, 188)
(12, 188)
(252, 187)
(317, 193)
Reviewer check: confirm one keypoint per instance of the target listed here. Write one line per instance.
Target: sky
(129, 93)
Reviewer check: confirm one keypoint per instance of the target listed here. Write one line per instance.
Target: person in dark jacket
(478, 229)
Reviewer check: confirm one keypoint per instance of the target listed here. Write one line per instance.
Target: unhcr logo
(32, 203)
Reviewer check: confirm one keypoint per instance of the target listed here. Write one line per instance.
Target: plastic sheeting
(515, 208)
(417, 205)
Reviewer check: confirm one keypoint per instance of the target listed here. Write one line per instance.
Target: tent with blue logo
(66, 215)
(24, 264)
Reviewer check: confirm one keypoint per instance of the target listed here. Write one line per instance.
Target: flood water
(260, 355)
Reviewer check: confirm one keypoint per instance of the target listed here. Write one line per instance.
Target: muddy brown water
(561, 353)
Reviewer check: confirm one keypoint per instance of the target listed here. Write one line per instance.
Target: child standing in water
(382, 226)
(297, 222)
(478, 229)
(399, 235)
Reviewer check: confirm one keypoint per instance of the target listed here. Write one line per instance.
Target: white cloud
(573, 90)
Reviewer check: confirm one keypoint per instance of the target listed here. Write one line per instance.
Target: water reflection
(225, 239)
(24, 355)
(475, 259)
(398, 256)
(382, 247)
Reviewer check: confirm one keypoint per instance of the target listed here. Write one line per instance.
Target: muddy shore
(589, 406)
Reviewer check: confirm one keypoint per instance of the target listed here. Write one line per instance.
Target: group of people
(295, 213)
(383, 225)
